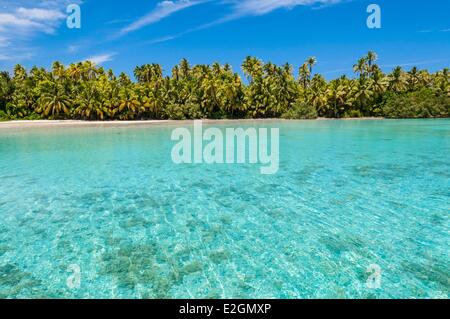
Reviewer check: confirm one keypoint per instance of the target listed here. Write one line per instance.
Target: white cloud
(22, 20)
(36, 14)
(101, 58)
(163, 10)
(242, 8)
(12, 22)
(261, 7)
(164, 39)
(28, 21)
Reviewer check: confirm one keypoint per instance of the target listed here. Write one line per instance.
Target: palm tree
(413, 78)
(148, 73)
(363, 94)
(85, 90)
(185, 69)
(53, 100)
(304, 75)
(318, 94)
(371, 58)
(6, 89)
(311, 61)
(397, 80)
(360, 67)
(252, 68)
(58, 70)
(89, 105)
(442, 82)
(74, 71)
(89, 71)
(336, 94)
(255, 99)
(129, 104)
(379, 82)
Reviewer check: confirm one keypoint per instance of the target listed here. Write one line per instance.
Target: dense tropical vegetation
(89, 92)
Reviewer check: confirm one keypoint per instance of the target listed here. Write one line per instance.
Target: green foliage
(300, 110)
(6, 90)
(418, 104)
(4, 116)
(353, 114)
(86, 91)
(31, 117)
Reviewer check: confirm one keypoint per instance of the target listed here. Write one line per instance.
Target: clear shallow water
(348, 194)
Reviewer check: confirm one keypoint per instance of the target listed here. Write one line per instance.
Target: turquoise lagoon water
(109, 200)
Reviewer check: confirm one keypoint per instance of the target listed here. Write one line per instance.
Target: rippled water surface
(109, 200)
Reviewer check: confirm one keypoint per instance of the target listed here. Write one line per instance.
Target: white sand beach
(79, 123)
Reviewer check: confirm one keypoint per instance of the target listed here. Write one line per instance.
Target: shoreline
(81, 123)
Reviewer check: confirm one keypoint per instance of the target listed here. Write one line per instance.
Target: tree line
(89, 92)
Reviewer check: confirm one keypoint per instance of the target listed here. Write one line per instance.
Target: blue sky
(123, 34)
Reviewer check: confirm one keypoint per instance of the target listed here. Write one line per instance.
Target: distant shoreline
(81, 123)
(21, 124)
